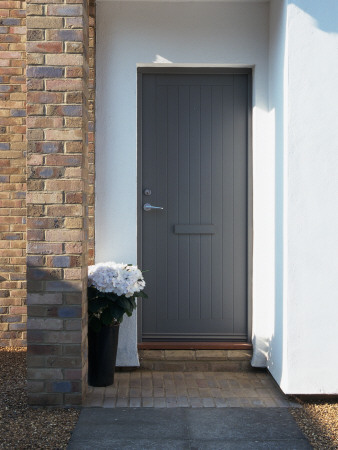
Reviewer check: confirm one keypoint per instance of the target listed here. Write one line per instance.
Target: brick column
(12, 173)
(91, 132)
(57, 187)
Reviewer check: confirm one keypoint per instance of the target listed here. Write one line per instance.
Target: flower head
(119, 278)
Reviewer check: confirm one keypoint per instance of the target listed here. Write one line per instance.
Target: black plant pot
(102, 348)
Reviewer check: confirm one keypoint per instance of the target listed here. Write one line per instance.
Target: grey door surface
(194, 165)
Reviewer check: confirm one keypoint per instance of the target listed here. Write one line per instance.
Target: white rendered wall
(278, 69)
(129, 33)
(312, 200)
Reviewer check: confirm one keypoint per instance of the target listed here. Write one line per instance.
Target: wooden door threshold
(194, 346)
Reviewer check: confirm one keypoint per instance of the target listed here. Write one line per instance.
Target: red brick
(64, 85)
(44, 122)
(35, 235)
(64, 210)
(64, 60)
(74, 248)
(44, 97)
(44, 22)
(10, 4)
(72, 274)
(18, 310)
(42, 197)
(63, 160)
(74, 47)
(64, 185)
(10, 55)
(74, 22)
(74, 72)
(17, 30)
(43, 248)
(35, 109)
(44, 47)
(18, 343)
(73, 147)
(64, 135)
(34, 84)
(35, 160)
(18, 13)
(44, 223)
(63, 235)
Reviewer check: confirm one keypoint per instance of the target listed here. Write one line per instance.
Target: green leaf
(125, 304)
(133, 302)
(141, 294)
(117, 312)
(94, 306)
(111, 296)
(107, 318)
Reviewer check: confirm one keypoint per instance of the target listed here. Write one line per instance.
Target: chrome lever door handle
(149, 207)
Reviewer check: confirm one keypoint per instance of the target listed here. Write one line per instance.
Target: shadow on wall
(324, 13)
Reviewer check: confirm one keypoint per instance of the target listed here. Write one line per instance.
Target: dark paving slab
(247, 445)
(134, 444)
(244, 423)
(185, 428)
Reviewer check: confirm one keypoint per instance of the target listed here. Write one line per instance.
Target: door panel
(194, 162)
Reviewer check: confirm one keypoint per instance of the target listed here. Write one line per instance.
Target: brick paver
(189, 389)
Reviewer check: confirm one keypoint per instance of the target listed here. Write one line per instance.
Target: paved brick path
(189, 389)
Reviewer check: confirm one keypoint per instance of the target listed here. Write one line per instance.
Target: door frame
(193, 69)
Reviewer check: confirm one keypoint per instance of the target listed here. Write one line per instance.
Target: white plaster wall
(312, 200)
(129, 33)
(278, 89)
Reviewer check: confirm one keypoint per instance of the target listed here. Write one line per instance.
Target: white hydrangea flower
(119, 278)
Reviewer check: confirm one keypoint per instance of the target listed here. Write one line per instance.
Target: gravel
(23, 427)
(318, 419)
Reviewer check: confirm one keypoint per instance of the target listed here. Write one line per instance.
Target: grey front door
(194, 165)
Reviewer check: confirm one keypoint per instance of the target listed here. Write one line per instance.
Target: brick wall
(91, 133)
(13, 145)
(58, 121)
(56, 158)
(12, 173)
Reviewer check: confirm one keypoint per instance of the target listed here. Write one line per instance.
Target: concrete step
(196, 360)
